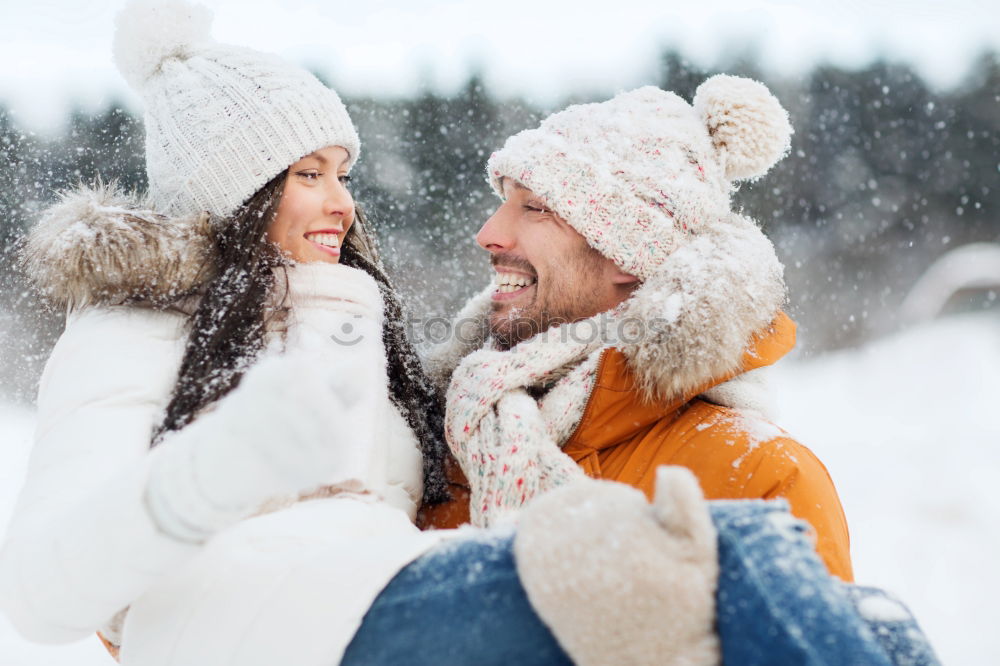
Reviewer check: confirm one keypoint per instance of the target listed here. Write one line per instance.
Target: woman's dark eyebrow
(322, 160)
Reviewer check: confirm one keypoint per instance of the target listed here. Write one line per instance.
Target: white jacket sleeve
(81, 545)
(102, 517)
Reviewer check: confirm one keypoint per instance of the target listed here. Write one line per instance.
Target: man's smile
(511, 284)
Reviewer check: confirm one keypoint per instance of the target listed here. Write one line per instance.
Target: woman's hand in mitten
(282, 431)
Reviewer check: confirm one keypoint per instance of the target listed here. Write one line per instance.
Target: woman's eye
(308, 175)
(345, 179)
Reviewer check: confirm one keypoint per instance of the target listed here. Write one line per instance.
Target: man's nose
(496, 234)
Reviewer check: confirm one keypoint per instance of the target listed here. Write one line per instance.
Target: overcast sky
(57, 51)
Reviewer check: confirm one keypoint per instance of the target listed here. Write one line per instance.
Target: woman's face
(316, 209)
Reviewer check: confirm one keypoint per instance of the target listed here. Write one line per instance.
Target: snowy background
(886, 214)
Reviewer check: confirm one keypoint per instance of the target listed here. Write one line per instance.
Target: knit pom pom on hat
(149, 31)
(748, 126)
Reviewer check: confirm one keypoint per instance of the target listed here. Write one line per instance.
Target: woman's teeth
(507, 283)
(329, 240)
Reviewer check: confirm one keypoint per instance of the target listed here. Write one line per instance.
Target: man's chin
(511, 325)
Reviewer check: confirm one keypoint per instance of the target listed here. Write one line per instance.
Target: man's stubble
(575, 296)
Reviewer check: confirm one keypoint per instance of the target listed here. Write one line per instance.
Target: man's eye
(536, 209)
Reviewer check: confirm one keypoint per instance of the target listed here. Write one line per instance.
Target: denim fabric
(776, 603)
(462, 604)
(893, 625)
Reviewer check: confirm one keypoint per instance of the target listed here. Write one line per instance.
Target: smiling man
(536, 256)
(631, 314)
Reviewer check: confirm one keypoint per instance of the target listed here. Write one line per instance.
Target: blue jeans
(463, 603)
(776, 603)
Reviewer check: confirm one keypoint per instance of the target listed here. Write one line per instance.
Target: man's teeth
(510, 282)
(330, 240)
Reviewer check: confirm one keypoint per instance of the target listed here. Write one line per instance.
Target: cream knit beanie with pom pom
(221, 121)
(638, 174)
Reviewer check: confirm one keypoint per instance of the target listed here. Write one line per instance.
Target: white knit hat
(639, 173)
(221, 121)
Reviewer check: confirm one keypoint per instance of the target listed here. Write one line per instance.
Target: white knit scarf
(507, 442)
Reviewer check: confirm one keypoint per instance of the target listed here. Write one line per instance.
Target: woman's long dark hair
(235, 310)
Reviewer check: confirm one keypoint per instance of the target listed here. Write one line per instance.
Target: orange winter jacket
(734, 455)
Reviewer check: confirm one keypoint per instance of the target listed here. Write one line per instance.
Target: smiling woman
(316, 209)
(196, 396)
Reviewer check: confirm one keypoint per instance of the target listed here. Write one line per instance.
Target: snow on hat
(221, 121)
(639, 173)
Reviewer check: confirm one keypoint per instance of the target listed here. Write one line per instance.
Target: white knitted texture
(748, 126)
(639, 174)
(150, 31)
(563, 405)
(509, 445)
(221, 121)
(618, 581)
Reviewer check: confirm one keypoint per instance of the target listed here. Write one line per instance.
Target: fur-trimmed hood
(99, 245)
(686, 325)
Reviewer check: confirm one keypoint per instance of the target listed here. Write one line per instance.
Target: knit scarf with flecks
(507, 442)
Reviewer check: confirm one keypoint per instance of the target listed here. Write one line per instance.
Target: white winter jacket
(288, 585)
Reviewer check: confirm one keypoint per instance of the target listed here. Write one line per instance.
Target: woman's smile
(325, 240)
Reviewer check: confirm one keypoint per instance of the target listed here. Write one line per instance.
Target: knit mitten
(620, 581)
(284, 430)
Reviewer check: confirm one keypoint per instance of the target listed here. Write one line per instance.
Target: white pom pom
(149, 31)
(749, 127)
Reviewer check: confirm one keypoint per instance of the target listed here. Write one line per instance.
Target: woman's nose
(339, 203)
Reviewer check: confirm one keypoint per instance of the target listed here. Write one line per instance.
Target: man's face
(546, 273)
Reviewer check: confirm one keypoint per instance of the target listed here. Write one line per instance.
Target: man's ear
(622, 278)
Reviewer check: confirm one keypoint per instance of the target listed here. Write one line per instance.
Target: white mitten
(619, 581)
(283, 430)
